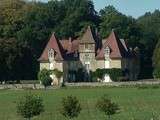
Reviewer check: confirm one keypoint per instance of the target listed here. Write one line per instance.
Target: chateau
(88, 53)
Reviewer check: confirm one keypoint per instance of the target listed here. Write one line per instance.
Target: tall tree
(150, 27)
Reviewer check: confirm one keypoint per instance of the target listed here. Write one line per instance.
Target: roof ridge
(117, 42)
(88, 35)
(52, 43)
(58, 43)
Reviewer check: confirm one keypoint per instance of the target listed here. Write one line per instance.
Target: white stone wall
(44, 65)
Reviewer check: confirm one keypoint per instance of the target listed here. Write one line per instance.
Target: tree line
(25, 28)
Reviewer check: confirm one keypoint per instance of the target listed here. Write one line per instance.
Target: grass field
(135, 104)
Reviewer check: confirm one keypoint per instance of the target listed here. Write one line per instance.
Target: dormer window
(51, 54)
(107, 52)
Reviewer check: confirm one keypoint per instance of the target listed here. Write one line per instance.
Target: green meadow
(135, 103)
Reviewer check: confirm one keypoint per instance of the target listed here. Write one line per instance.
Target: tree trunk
(29, 118)
(109, 117)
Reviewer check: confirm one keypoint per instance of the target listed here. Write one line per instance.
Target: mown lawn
(135, 104)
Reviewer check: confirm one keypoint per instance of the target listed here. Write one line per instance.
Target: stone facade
(85, 54)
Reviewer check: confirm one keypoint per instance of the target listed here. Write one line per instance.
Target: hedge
(114, 73)
(156, 73)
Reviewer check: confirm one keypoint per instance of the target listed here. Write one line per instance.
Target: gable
(52, 44)
(117, 48)
(88, 36)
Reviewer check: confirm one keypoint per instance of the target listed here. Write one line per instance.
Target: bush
(107, 106)
(156, 73)
(80, 75)
(115, 74)
(70, 107)
(44, 77)
(58, 74)
(93, 76)
(30, 106)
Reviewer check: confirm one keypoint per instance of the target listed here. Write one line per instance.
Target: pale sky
(133, 8)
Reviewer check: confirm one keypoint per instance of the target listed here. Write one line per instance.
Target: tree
(76, 11)
(13, 57)
(126, 27)
(156, 73)
(44, 77)
(30, 106)
(107, 106)
(156, 55)
(70, 107)
(58, 75)
(150, 29)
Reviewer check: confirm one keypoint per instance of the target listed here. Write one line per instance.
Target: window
(51, 54)
(87, 66)
(107, 52)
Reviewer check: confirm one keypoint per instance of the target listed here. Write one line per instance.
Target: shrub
(70, 107)
(44, 77)
(156, 73)
(107, 106)
(93, 76)
(58, 74)
(80, 75)
(30, 106)
(115, 74)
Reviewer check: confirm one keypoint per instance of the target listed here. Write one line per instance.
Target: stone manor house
(88, 53)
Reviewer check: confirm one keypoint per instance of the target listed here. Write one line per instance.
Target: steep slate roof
(70, 45)
(117, 47)
(68, 49)
(88, 36)
(52, 44)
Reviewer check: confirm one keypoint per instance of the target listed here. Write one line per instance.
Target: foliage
(114, 73)
(70, 107)
(150, 25)
(13, 57)
(156, 73)
(93, 76)
(107, 106)
(30, 106)
(44, 77)
(156, 56)
(58, 73)
(80, 75)
(126, 27)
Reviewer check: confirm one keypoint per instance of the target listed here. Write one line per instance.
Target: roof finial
(89, 27)
(70, 40)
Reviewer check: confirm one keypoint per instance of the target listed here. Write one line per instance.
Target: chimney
(70, 40)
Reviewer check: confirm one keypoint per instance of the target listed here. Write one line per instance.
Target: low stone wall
(21, 86)
(131, 83)
(83, 84)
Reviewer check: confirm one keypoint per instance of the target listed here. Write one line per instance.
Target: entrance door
(87, 66)
(107, 64)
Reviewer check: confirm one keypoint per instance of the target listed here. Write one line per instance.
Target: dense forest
(25, 28)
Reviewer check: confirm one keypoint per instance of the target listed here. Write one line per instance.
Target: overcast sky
(133, 8)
